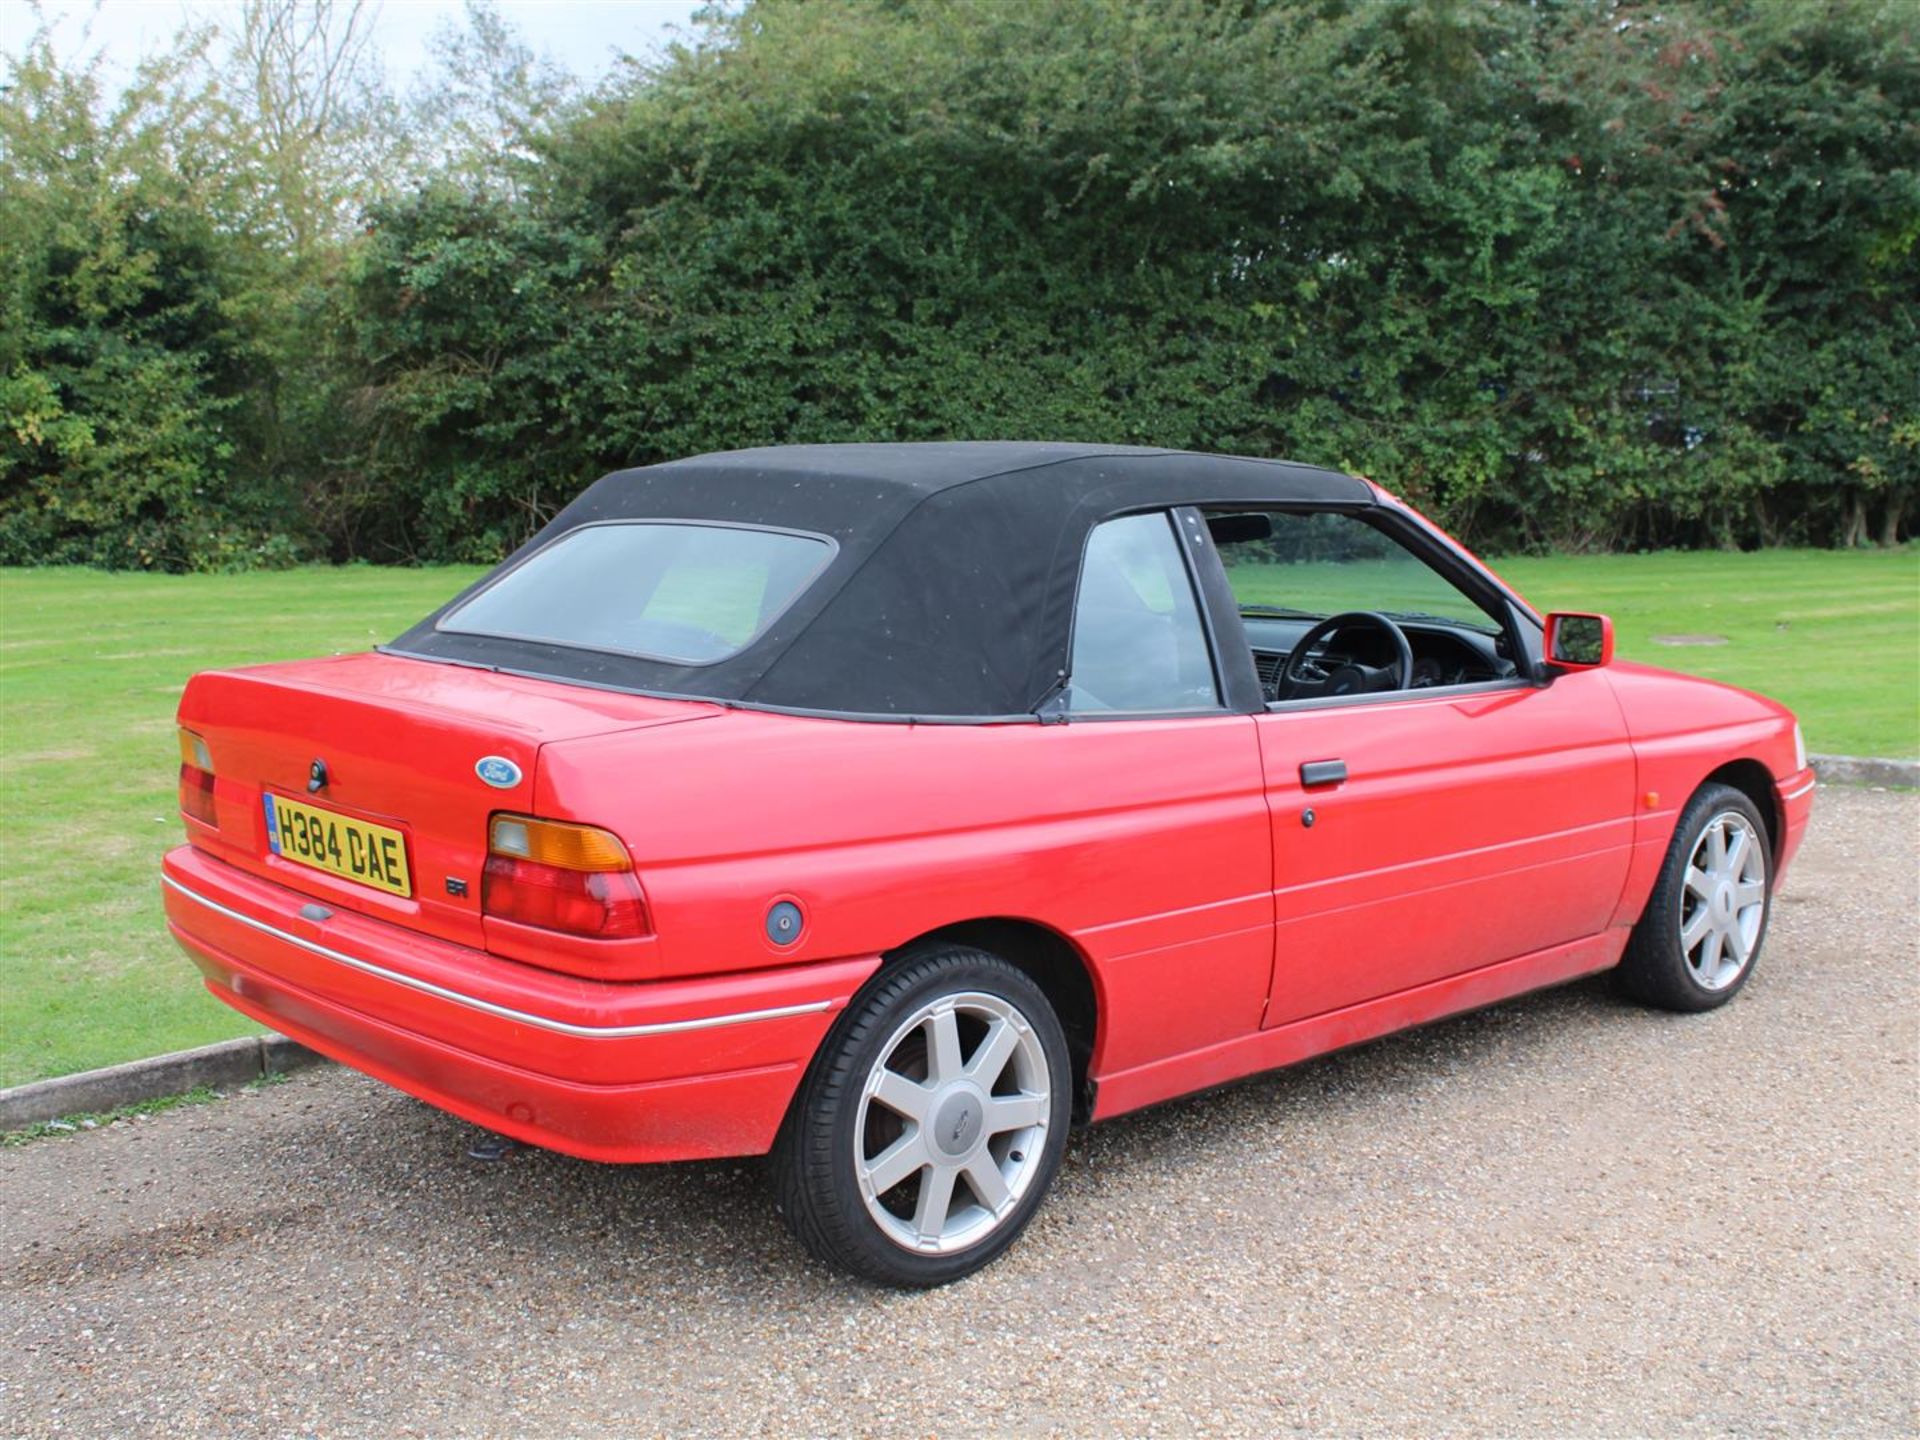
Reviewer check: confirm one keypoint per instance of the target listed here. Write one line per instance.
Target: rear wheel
(1701, 934)
(931, 1123)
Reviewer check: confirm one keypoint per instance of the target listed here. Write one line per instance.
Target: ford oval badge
(497, 771)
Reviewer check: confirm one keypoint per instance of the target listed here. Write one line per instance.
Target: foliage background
(1586, 274)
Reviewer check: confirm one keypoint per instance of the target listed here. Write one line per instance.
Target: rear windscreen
(667, 590)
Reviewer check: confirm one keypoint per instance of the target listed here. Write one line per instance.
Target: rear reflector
(196, 795)
(605, 905)
(196, 779)
(561, 876)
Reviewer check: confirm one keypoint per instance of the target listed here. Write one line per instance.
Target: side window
(1292, 571)
(1138, 640)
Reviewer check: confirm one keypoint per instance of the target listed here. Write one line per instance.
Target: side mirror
(1578, 642)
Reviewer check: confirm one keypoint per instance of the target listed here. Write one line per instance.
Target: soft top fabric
(951, 595)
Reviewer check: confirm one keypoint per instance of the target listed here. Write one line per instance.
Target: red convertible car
(891, 808)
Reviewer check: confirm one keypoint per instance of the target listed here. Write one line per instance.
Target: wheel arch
(1053, 962)
(1755, 781)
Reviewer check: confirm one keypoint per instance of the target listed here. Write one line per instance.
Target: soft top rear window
(674, 590)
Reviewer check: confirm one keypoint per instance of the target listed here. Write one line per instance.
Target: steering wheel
(1300, 676)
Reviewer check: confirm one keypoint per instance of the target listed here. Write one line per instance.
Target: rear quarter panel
(1144, 843)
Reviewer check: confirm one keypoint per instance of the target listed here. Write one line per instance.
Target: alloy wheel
(952, 1123)
(1723, 902)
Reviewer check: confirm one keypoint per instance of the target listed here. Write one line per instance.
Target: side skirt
(1289, 1044)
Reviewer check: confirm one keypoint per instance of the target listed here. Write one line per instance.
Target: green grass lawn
(91, 666)
(1834, 635)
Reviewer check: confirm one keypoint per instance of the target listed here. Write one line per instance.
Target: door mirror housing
(1239, 529)
(1578, 641)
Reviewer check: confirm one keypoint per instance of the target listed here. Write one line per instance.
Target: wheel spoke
(1752, 892)
(936, 1199)
(1736, 942)
(1737, 851)
(1710, 955)
(897, 1162)
(906, 1098)
(1014, 1112)
(992, 1055)
(1695, 928)
(943, 1047)
(1698, 883)
(987, 1183)
(1717, 845)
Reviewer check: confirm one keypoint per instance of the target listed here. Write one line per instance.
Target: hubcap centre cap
(957, 1119)
(1723, 902)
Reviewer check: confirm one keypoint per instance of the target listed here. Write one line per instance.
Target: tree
(1576, 273)
(313, 127)
(125, 361)
(488, 104)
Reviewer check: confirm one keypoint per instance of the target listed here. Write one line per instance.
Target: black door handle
(1322, 772)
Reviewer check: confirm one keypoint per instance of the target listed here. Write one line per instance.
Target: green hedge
(1573, 275)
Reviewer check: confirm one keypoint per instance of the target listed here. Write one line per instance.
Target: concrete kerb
(230, 1063)
(1866, 770)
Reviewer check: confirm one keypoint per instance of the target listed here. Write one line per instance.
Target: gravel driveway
(1560, 1215)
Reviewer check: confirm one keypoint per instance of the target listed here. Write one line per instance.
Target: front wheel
(931, 1123)
(1701, 934)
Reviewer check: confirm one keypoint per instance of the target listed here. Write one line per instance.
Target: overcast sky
(582, 35)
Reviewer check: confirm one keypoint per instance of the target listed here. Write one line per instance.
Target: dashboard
(1443, 654)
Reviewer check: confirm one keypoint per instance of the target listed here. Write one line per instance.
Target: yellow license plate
(326, 840)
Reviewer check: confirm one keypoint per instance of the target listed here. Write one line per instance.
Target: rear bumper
(1795, 795)
(665, 1070)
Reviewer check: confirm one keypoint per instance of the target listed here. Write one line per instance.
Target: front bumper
(1795, 796)
(663, 1070)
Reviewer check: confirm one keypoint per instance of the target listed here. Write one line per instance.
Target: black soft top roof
(951, 594)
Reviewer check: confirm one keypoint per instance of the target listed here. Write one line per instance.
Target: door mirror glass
(1579, 641)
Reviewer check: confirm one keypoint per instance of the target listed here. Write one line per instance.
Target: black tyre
(931, 1122)
(1701, 934)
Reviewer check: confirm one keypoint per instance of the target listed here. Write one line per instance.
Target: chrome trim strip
(473, 1002)
(1803, 790)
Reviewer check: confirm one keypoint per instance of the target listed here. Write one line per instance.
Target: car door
(1422, 833)
(1155, 766)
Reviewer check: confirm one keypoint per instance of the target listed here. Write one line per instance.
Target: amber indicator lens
(194, 752)
(558, 843)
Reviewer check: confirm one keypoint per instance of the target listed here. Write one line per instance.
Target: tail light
(196, 779)
(561, 876)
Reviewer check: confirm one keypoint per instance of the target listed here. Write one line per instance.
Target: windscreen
(1319, 564)
(690, 594)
